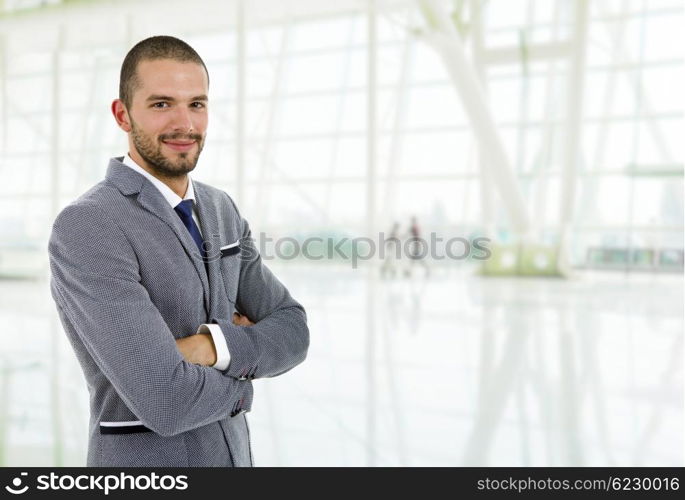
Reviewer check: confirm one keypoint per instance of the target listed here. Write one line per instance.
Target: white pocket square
(231, 249)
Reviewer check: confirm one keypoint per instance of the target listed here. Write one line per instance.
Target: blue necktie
(185, 212)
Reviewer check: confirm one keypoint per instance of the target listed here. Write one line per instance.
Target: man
(159, 287)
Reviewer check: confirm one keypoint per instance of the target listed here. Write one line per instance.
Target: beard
(151, 151)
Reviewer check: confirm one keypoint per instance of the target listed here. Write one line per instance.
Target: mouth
(180, 146)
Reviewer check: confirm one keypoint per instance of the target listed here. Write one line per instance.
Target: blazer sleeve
(95, 282)
(279, 339)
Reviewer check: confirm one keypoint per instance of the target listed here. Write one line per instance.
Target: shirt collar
(172, 198)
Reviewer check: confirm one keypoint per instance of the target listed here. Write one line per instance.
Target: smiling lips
(180, 145)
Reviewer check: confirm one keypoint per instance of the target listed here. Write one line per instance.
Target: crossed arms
(96, 286)
(199, 348)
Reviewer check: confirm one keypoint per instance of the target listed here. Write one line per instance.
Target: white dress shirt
(223, 356)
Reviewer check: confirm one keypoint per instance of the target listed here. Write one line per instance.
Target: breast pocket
(230, 249)
(230, 269)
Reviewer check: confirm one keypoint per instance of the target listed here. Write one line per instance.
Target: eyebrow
(156, 97)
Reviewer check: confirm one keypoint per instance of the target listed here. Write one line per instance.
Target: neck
(178, 184)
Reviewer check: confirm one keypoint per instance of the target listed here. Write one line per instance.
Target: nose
(182, 120)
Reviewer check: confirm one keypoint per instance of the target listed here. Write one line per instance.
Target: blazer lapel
(130, 182)
(209, 224)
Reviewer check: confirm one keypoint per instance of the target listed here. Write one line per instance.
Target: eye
(199, 105)
(160, 105)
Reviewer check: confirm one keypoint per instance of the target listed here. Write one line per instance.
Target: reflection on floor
(448, 370)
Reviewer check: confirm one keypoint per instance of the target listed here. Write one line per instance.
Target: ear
(121, 115)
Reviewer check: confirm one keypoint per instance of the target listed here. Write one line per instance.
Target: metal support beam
(444, 38)
(537, 52)
(240, 103)
(330, 178)
(371, 185)
(267, 164)
(545, 158)
(572, 143)
(55, 191)
(3, 92)
(486, 192)
(396, 139)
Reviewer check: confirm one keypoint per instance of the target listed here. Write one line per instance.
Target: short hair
(151, 49)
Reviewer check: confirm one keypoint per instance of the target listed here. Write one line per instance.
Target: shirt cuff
(223, 357)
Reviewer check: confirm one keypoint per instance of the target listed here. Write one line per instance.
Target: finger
(240, 320)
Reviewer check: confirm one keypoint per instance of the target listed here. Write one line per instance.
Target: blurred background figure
(393, 251)
(418, 249)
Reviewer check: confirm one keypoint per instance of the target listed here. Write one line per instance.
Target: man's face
(168, 115)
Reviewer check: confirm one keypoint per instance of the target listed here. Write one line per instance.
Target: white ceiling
(89, 24)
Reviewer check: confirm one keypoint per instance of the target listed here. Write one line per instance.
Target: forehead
(170, 77)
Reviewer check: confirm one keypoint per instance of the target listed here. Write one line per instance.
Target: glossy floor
(451, 369)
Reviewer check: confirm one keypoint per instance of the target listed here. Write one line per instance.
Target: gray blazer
(128, 280)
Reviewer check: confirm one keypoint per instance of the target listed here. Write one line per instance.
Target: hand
(240, 320)
(198, 349)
